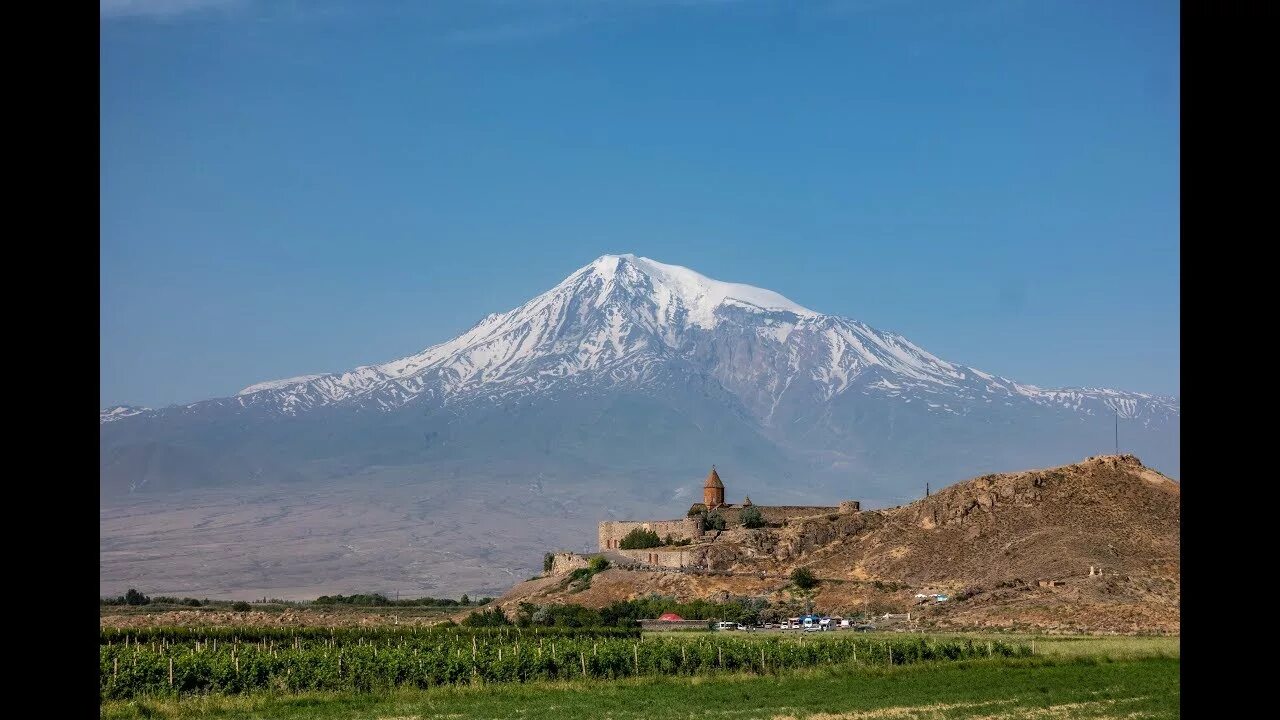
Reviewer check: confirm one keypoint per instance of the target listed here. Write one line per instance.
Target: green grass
(1010, 689)
(1115, 647)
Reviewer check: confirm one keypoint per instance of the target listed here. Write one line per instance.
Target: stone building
(713, 490)
(689, 528)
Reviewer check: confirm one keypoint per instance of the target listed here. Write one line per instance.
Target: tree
(241, 606)
(133, 597)
(712, 521)
(524, 613)
(465, 600)
(486, 618)
(803, 578)
(751, 517)
(640, 539)
(548, 562)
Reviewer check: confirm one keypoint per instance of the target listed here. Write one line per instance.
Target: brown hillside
(991, 543)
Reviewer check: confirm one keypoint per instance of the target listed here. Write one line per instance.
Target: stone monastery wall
(777, 513)
(611, 532)
(659, 557)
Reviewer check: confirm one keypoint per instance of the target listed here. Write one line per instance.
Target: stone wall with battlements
(611, 532)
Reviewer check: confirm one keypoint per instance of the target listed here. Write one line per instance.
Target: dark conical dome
(713, 480)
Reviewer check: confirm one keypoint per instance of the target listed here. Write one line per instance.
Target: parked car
(743, 627)
(845, 623)
(726, 626)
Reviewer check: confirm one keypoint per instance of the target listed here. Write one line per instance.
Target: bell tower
(713, 490)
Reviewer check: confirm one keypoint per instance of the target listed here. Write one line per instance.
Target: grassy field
(1114, 647)
(1008, 689)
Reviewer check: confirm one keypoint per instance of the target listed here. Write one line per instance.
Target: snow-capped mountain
(623, 332)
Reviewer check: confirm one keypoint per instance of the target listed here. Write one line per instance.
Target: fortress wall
(567, 562)
(611, 532)
(778, 513)
(659, 557)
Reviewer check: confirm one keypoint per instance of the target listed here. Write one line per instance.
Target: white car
(726, 626)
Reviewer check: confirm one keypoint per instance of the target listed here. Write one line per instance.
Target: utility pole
(926, 489)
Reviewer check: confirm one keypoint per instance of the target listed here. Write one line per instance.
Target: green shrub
(486, 618)
(241, 606)
(640, 539)
(598, 564)
(803, 578)
(712, 521)
(751, 517)
(548, 562)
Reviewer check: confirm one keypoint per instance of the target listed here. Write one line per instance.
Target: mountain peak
(698, 294)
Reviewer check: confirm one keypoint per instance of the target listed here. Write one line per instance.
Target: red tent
(669, 616)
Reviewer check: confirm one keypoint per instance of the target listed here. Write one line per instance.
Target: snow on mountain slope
(277, 384)
(119, 412)
(623, 320)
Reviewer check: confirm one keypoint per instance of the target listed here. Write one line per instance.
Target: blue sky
(301, 187)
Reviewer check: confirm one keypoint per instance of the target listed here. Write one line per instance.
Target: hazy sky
(302, 187)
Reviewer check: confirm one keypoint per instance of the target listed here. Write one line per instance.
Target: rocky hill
(1089, 546)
